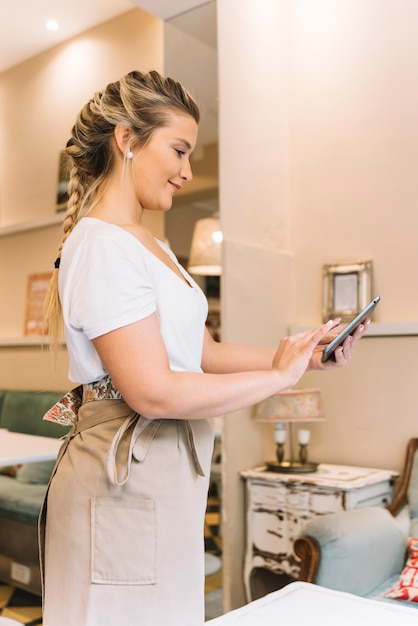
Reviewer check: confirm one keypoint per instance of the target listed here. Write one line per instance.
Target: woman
(122, 527)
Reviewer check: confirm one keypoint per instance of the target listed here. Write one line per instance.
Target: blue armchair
(363, 551)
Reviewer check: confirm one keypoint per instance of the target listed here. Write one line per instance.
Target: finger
(322, 331)
(360, 331)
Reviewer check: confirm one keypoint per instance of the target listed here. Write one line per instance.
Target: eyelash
(180, 153)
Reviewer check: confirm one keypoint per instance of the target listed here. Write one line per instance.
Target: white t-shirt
(109, 279)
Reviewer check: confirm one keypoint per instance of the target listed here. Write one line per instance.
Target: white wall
(318, 162)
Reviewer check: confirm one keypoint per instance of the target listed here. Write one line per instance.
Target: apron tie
(190, 440)
(133, 440)
(143, 432)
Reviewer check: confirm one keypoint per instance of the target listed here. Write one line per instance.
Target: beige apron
(121, 530)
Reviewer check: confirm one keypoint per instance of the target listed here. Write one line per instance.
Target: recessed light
(51, 25)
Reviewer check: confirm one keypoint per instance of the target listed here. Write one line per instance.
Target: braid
(138, 101)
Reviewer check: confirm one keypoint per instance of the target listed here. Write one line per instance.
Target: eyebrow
(186, 143)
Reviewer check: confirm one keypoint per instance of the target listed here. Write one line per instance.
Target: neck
(118, 203)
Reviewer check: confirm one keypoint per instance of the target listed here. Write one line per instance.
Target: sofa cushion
(360, 549)
(35, 473)
(406, 586)
(9, 470)
(19, 500)
(22, 412)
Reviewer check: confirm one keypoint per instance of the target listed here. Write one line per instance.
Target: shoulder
(96, 246)
(92, 236)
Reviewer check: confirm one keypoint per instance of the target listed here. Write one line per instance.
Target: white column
(257, 282)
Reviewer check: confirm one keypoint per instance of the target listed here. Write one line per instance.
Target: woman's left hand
(343, 354)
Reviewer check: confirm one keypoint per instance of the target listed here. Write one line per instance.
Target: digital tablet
(349, 330)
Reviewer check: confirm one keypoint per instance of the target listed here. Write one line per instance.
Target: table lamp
(284, 410)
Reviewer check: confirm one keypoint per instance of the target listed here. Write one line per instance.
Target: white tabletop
(300, 604)
(18, 448)
(335, 476)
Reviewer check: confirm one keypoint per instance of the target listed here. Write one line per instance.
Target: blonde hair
(138, 101)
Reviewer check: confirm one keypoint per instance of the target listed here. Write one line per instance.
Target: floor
(23, 607)
(26, 609)
(213, 545)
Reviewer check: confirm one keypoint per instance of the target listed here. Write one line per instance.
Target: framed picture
(36, 292)
(347, 289)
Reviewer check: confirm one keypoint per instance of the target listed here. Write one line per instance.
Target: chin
(159, 207)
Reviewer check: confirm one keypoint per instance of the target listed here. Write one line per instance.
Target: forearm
(223, 358)
(237, 358)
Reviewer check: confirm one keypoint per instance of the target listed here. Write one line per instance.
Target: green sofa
(22, 488)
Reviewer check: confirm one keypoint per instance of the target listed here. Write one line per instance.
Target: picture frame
(37, 287)
(347, 289)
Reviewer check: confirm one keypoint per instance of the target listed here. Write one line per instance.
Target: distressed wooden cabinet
(278, 506)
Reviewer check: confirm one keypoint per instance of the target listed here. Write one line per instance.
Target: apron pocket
(123, 541)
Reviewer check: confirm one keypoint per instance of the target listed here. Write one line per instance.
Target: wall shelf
(377, 329)
(23, 342)
(41, 222)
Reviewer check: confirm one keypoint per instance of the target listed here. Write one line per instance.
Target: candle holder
(280, 437)
(284, 409)
(303, 437)
(303, 453)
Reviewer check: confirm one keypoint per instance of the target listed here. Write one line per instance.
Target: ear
(123, 137)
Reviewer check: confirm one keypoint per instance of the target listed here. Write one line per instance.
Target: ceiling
(22, 23)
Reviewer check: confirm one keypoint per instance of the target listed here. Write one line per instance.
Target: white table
(303, 604)
(18, 448)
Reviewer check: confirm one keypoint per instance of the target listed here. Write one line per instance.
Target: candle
(304, 436)
(280, 433)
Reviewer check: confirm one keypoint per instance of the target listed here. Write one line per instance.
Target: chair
(363, 551)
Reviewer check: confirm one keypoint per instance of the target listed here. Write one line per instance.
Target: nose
(186, 171)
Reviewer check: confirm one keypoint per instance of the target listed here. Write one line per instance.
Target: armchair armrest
(309, 552)
(401, 496)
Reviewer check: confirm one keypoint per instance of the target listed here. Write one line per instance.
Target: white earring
(129, 154)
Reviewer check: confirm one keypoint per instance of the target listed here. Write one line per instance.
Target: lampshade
(291, 406)
(205, 251)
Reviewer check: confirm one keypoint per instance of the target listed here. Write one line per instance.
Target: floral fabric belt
(65, 411)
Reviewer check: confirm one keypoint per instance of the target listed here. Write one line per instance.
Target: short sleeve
(106, 284)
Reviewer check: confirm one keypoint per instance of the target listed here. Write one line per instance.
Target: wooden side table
(279, 505)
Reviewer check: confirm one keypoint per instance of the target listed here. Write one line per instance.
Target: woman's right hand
(294, 353)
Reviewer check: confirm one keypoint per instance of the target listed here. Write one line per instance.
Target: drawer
(378, 494)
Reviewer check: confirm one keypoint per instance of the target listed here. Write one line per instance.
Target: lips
(177, 187)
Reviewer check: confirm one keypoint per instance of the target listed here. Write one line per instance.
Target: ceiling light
(51, 25)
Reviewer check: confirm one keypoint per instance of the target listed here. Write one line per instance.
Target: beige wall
(318, 162)
(40, 99)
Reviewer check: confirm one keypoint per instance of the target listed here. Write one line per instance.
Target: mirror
(191, 58)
